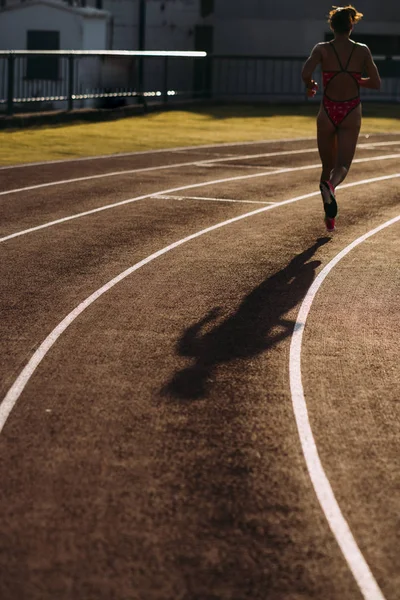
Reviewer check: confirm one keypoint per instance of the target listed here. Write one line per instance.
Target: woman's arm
(373, 81)
(310, 65)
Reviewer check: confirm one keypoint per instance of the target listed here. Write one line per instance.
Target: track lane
(355, 418)
(96, 197)
(209, 162)
(89, 194)
(46, 172)
(117, 233)
(47, 266)
(310, 579)
(77, 371)
(36, 173)
(211, 495)
(230, 160)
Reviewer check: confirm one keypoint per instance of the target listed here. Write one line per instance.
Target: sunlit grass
(205, 125)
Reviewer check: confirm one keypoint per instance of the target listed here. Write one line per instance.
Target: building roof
(57, 5)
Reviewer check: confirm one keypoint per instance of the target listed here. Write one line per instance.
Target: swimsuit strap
(351, 54)
(337, 56)
(342, 70)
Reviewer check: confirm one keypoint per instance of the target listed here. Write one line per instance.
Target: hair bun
(342, 18)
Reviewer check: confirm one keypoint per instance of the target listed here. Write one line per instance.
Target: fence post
(10, 84)
(208, 79)
(71, 65)
(165, 80)
(141, 89)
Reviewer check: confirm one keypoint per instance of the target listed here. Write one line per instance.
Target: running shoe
(328, 196)
(330, 224)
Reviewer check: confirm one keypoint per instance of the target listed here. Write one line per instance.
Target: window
(43, 67)
(207, 8)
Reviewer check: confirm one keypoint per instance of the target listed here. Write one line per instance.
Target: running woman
(343, 63)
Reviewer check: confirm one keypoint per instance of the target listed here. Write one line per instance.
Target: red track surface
(153, 454)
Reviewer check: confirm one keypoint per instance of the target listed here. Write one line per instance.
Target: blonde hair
(342, 18)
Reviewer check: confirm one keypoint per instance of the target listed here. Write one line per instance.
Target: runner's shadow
(258, 324)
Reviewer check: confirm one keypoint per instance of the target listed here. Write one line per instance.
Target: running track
(200, 387)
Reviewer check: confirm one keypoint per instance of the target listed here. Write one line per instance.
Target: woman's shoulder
(363, 47)
(322, 47)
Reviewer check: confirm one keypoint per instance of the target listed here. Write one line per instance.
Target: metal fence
(77, 79)
(279, 78)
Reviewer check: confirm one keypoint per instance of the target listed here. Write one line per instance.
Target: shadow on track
(257, 325)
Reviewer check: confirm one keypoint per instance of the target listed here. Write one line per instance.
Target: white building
(53, 25)
(96, 25)
(170, 24)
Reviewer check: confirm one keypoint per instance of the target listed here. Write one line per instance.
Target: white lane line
(211, 165)
(182, 188)
(208, 163)
(18, 386)
(169, 191)
(338, 524)
(169, 197)
(162, 150)
(100, 176)
(178, 149)
(372, 145)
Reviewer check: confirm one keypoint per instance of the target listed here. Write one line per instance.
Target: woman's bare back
(352, 58)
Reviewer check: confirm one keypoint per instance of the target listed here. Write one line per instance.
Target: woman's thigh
(327, 141)
(347, 137)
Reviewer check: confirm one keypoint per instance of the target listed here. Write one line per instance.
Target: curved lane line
(338, 524)
(18, 386)
(169, 191)
(199, 163)
(340, 529)
(193, 186)
(185, 148)
(163, 150)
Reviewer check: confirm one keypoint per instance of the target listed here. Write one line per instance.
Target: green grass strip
(188, 127)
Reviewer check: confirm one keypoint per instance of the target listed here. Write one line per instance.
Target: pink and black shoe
(330, 224)
(329, 198)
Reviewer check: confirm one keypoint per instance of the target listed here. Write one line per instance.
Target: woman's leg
(347, 142)
(328, 151)
(327, 144)
(347, 137)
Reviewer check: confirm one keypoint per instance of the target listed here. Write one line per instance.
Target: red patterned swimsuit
(337, 110)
